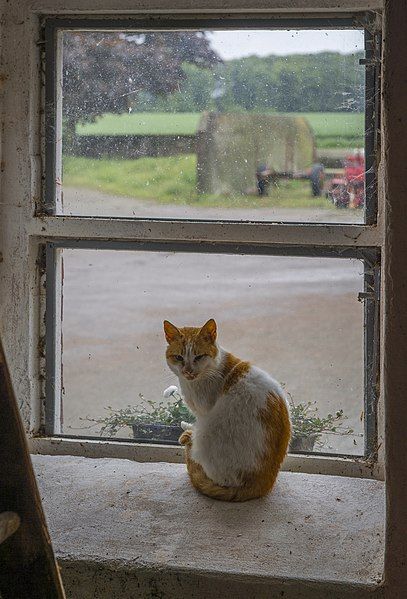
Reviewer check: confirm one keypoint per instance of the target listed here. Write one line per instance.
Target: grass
(332, 129)
(143, 123)
(337, 129)
(172, 180)
(335, 124)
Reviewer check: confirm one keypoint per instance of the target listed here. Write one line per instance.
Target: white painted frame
(23, 238)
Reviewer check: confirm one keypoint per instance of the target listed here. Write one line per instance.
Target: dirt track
(89, 202)
(298, 318)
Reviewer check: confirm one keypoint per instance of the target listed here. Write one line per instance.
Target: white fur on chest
(229, 437)
(200, 397)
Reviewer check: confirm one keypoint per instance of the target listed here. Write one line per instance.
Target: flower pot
(156, 432)
(303, 443)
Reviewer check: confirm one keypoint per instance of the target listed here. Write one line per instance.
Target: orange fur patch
(185, 438)
(201, 344)
(234, 369)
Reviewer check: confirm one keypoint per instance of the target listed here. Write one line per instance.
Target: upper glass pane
(240, 125)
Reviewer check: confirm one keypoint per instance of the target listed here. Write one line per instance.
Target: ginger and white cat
(235, 448)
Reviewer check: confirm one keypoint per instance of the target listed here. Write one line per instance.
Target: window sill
(147, 452)
(126, 529)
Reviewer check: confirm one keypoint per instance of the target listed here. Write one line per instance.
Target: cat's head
(191, 351)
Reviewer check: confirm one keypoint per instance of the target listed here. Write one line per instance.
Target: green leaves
(105, 71)
(148, 412)
(306, 421)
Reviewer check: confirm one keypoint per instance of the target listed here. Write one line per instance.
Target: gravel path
(90, 202)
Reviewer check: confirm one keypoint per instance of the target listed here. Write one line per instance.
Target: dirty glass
(306, 331)
(237, 125)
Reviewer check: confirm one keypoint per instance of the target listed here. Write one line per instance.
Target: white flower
(170, 391)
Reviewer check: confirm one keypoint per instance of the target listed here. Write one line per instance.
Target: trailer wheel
(317, 179)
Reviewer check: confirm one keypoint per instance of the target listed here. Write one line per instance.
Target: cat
(235, 448)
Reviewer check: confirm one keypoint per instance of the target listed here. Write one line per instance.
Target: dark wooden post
(395, 293)
(27, 565)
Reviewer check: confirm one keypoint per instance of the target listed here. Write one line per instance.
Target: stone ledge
(128, 529)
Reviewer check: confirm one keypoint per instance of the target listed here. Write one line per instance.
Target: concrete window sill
(128, 529)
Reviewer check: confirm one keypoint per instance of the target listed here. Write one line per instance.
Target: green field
(172, 180)
(331, 129)
(143, 123)
(331, 124)
(337, 129)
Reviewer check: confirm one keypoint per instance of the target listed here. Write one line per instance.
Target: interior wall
(20, 190)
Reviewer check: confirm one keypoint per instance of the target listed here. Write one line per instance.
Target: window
(212, 157)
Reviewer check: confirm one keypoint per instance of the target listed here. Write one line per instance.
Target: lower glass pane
(297, 318)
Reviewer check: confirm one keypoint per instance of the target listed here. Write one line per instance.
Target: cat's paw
(186, 438)
(186, 426)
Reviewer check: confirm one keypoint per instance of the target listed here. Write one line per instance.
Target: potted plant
(308, 426)
(150, 421)
(161, 421)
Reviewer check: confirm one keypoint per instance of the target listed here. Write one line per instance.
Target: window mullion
(195, 231)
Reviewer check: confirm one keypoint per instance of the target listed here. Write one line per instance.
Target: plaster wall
(20, 191)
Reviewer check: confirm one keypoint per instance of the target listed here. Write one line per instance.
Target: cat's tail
(230, 493)
(208, 487)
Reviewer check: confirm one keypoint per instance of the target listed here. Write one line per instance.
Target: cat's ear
(171, 331)
(209, 330)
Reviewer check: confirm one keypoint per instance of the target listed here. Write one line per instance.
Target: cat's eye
(197, 358)
(179, 358)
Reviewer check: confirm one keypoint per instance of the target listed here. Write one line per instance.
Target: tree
(195, 94)
(103, 71)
